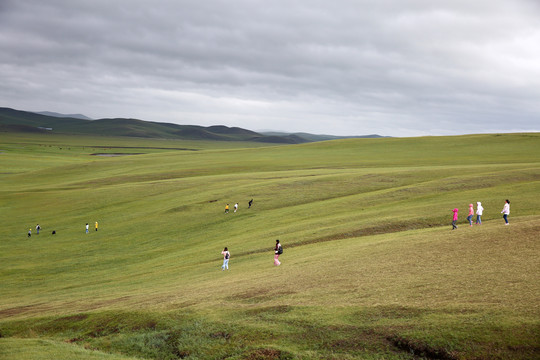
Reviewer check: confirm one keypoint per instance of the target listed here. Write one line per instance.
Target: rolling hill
(371, 268)
(23, 121)
(55, 114)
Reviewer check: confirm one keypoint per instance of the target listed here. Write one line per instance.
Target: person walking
(479, 211)
(227, 209)
(30, 232)
(235, 207)
(96, 225)
(471, 214)
(454, 219)
(250, 203)
(87, 228)
(38, 228)
(506, 211)
(226, 256)
(278, 250)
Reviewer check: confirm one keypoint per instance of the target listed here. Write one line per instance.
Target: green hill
(371, 268)
(21, 121)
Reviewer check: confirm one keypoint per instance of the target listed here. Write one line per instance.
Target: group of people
(38, 227)
(278, 250)
(37, 230)
(236, 206)
(479, 211)
(95, 227)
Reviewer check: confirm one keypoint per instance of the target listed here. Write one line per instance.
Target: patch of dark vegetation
(525, 351)
(75, 340)
(220, 335)
(354, 340)
(267, 354)
(259, 295)
(73, 318)
(271, 310)
(156, 345)
(420, 349)
(25, 309)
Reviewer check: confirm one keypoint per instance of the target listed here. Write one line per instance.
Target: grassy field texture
(371, 268)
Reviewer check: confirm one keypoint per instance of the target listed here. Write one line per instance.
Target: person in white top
(226, 256)
(479, 211)
(506, 211)
(235, 207)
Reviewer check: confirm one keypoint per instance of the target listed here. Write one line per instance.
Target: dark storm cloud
(344, 67)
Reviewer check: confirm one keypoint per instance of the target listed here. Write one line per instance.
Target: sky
(387, 67)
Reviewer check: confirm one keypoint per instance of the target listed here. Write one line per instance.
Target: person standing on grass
(38, 228)
(29, 232)
(227, 209)
(87, 228)
(235, 207)
(249, 203)
(226, 256)
(454, 219)
(479, 211)
(278, 250)
(471, 214)
(506, 211)
(96, 225)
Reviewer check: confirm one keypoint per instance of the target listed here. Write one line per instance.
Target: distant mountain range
(75, 116)
(315, 138)
(12, 120)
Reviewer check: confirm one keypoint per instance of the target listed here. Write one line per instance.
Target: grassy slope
(342, 292)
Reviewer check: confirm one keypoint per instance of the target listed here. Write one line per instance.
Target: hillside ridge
(12, 120)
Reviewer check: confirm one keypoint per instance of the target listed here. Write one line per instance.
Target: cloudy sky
(391, 67)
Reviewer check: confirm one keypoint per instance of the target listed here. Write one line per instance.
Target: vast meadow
(371, 268)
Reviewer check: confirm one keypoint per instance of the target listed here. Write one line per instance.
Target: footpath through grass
(371, 269)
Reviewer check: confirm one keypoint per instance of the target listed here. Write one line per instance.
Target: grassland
(371, 269)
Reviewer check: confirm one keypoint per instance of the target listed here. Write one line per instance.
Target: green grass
(371, 269)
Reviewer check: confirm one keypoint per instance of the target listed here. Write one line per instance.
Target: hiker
(226, 256)
(227, 209)
(235, 207)
(87, 228)
(278, 250)
(479, 211)
(471, 214)
(249, 203)
(96, 225)
(29, 232)
(506, 211)
(38, 228)
(454, 219)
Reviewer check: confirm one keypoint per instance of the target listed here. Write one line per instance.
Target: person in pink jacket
(454, 219)
(471, 214)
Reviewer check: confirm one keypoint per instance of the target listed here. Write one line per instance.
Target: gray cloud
(396, 68)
